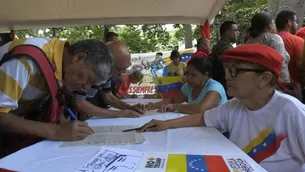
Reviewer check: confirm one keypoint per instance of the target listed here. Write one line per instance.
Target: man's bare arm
(86, 107)
(115, 102)
(12, 123)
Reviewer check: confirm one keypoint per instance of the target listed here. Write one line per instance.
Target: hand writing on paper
(154, 125)
(70, 131)
(128, 113)
(167, 108)
(139, 108)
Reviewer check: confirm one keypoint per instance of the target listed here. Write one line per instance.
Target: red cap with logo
(256, 53)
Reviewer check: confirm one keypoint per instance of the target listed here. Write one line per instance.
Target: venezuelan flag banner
(168, 85)
(195, 163)
(185, 55)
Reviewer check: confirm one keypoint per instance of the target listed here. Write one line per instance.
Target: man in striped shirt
(102, 92)
(77, 67)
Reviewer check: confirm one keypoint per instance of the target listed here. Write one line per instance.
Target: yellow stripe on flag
(166, 80)
(16, 42)
(176, 163)
(258, 140)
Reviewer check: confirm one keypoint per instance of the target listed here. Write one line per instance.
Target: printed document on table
(114, 160)
(109, 135)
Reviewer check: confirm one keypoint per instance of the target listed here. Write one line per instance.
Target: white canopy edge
(16, 14)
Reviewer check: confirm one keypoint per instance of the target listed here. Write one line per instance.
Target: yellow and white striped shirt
(21, 82)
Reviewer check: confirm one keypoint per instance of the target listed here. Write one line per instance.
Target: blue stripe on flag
(269, 140)
(196, 163)
(170, 87)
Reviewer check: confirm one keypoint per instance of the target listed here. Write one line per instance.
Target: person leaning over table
(93, 101)
(22, 86)
(265, 123)
(200, 91)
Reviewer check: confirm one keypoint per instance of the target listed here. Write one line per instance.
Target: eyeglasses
(235, 71)
(118, 70)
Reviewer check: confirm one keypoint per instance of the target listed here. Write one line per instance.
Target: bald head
(120, 54)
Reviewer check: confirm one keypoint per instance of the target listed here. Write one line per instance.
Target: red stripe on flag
(270, 150)
(169, 94)
(215, 164)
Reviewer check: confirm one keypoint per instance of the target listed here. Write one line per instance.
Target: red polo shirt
(301, 32)
(123, 87)
(294, 47)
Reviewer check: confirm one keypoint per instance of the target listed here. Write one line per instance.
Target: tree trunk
(298, 6)
(54, 32)
(188, 36)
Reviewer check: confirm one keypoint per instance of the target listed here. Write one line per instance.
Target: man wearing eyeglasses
(95, 101)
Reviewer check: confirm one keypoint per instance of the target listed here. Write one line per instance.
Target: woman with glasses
(266, 124)
(263, 31)
(200, 91)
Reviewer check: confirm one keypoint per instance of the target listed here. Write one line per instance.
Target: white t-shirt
(274, 136)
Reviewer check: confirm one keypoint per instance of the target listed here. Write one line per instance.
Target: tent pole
(12, 34)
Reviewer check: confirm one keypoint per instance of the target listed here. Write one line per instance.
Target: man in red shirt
(286, 24)
(301, 32)
(203, 48)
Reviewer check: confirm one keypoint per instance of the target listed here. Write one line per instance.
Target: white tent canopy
(21, 14)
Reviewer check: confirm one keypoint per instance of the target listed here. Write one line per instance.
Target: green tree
(145, 38)
(73, 34)
(131, 35)
(156, 36)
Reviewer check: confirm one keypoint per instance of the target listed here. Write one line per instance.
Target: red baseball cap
(256, 53)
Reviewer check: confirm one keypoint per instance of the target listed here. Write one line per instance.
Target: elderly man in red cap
(95, 101)
(265, 123)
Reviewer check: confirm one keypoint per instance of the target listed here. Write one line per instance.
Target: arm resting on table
(187, 121)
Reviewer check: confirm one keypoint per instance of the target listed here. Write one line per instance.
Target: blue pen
(72, 115)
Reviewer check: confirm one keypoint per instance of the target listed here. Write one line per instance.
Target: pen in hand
(71, 114)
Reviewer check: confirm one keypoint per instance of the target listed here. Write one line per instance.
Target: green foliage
(179, 33)
(145, 38)
(131, 35)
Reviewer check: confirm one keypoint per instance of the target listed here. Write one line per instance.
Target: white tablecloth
(47, 156)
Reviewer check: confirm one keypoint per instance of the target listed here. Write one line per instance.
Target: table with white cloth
(48, 156)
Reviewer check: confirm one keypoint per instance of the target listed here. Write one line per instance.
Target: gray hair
(98, 56)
